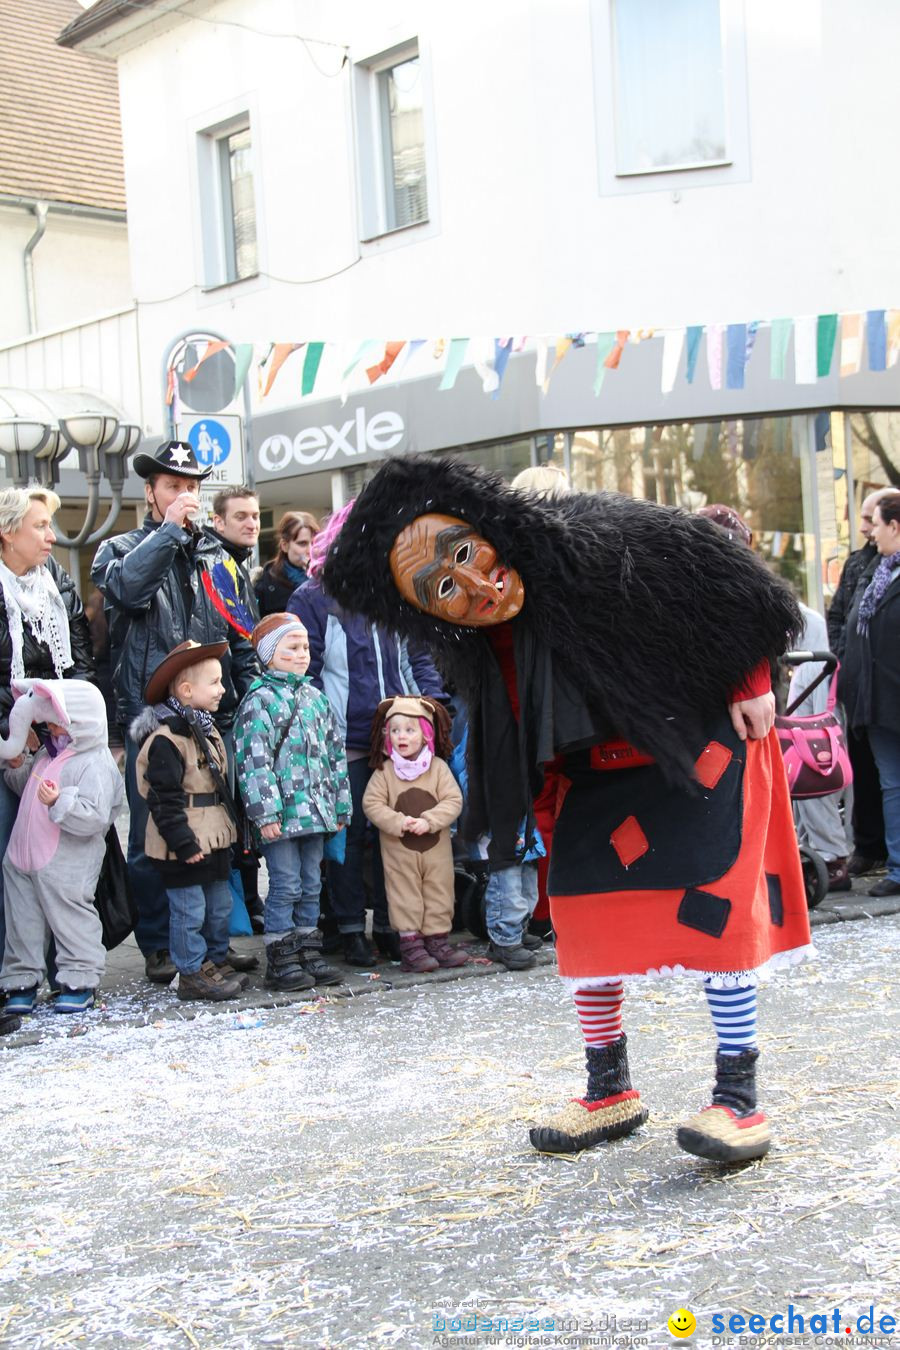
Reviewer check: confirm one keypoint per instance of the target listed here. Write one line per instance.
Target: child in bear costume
(71, 793)
(628, 646)
(412, 800)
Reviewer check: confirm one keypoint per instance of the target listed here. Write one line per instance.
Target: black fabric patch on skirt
(705, 912)
(776, 903)
(693, 837)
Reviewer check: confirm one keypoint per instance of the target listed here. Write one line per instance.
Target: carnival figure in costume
(629, 645)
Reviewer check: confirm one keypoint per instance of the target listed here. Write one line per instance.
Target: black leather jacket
(150, 579)
(36, 657)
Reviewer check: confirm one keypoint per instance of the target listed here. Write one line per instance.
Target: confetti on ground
(170, 1185)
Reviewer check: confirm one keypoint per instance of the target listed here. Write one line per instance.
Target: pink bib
(35, 838)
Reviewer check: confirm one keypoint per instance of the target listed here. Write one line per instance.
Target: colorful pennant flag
(455, 358)
(391, 351)
(673, 346)
(780, 340)
(736, 343)
(826, 333)
(211, 349)
(876, 339)
(714, 334)
(851, 343)
(694, 336)
(311, 363)
(615, 355)
(562, 346)
(805, 349)
(605, 344)
(275, 358)
(893, 336)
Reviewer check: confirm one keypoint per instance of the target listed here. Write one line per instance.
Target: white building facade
(303, 172)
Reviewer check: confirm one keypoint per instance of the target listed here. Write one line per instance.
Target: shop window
(228, 202)
(391, 148)
(505, 457)
(756, 465)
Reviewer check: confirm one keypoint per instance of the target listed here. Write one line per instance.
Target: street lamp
(37, 431)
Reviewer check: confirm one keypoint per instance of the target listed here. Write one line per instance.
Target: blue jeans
(9, 805)
(509, 903)
(151, 931)
(295, 880)
(886, 750)
(199, 919)
(346, 891)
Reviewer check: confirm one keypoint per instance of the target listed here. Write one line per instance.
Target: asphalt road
(356, 1173)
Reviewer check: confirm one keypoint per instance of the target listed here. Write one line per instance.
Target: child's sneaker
(73, 1000)
(20, 1001)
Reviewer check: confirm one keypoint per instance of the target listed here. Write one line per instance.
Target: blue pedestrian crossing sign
(211, 442)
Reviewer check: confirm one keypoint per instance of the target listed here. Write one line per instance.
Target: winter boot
(609, 1109)
(514, 957)
(730, 1130)
(19, 1001)
(228, 972)
(388, 945)
(413, 954)
(838, 876)
(241, 961)
(284, 966)
(532, 942)
(310, 955)
(8, 1023)
(207, 984)
(73, 1000)
(358, 950)
(439, 946)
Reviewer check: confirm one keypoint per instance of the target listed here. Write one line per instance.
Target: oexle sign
(318, 446)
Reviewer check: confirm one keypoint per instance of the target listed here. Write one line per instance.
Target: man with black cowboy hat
(151, 582)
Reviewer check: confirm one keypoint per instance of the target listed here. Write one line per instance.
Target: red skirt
(603, 935)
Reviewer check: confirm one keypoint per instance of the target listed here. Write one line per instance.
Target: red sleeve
(757, 681)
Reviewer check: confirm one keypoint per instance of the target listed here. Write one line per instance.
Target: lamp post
(37, 431)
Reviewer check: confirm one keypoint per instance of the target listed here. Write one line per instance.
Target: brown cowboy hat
(179, 658)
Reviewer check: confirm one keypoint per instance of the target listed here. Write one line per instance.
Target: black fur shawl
(655, 615)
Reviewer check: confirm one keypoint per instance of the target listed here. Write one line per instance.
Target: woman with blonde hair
(43, 629)
(281, 576)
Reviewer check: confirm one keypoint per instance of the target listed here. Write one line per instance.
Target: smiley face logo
(682, 1323)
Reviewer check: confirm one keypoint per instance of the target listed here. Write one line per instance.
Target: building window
(390, 124)
(228, 203)
(669, 85)
(670, 93)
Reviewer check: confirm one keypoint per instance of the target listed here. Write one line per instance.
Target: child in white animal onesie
(71, 793)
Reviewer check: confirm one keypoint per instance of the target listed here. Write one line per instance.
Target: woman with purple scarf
(869, 681)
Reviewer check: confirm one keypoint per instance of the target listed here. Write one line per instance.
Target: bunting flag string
(863, 340)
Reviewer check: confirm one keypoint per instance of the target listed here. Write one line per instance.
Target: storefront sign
(317, 446)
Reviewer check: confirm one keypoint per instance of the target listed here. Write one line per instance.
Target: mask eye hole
(445, 588)
(462, 554)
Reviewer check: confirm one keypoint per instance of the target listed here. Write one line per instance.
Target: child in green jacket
(292, 773)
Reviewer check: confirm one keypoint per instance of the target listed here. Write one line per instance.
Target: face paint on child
(406, 736)
(440, 565)
(292, 653)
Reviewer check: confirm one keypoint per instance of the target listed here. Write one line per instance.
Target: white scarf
(35, 599)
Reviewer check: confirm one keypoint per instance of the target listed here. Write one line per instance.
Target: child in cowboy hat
(412, 802)
(181, 771)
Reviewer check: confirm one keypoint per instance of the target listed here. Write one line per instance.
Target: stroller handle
(828, 659)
